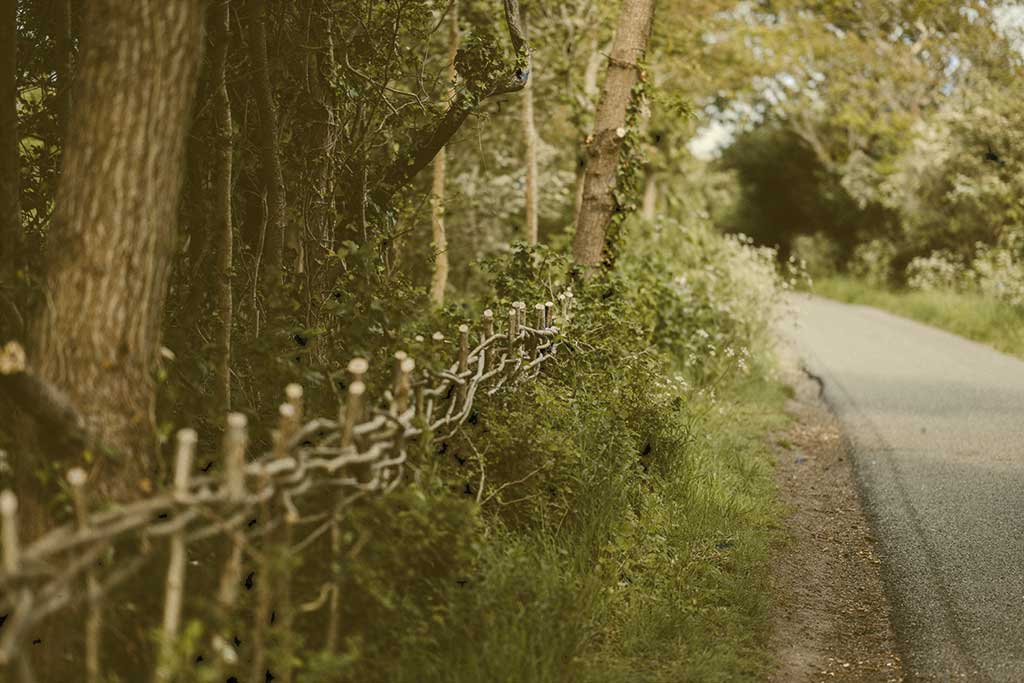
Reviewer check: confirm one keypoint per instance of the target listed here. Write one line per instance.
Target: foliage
(873, 262)
(576, 526)
(996, 272)
(612, 499)
(818, 253)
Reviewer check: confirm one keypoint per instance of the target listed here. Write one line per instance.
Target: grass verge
(969, 315)
(678, 591)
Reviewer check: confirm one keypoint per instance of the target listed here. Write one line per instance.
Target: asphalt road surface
(935, 427)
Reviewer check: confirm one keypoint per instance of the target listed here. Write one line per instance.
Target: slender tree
(530, 138)
(598, 205)
(10, 160)
(649, 207)
(439, 281)
(271, 176)
(98, 335)
(320, 64)
(219, 23)
(586, 103)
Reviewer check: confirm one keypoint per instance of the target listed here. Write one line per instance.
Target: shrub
(942, 270)
(818, 253)
(873, 262)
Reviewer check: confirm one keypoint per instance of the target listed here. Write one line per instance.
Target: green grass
(969, 315)
(679, 593)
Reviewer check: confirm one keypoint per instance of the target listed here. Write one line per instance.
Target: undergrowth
(609, 522)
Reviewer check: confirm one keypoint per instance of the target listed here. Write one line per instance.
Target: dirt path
(831, 620)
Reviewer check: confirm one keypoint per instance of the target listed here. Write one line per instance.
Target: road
(935, 427)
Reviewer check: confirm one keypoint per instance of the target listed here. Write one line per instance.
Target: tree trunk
(10, 155)
(598, 204)
(114, 223)
(221, 187)
(532, 230)
(439, 281)
(530, 134)
(271, 176)
(320, 65)
(586, 101)
(650, 204)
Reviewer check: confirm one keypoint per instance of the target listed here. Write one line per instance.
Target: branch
(405, 168)
(47, 404)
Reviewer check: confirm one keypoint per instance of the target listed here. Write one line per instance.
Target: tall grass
(673, 588)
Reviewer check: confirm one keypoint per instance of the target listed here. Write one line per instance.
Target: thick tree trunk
(530, 135)
(439, 281)
(221, 224)
(271, 176)
(10, 157)
(112, 239)
(598, 204)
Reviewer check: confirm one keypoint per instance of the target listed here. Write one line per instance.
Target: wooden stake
(488, 333)
(535, 341)
(357, 368)
(9, 512)
(396, 380)
(351, 413)
(294, 393)
(11, 562)
(175, 586)
(235, 440)
(463, 362)
(353, 410)
(94, 620)
(513, 332)
(403, 384)
(291, 421)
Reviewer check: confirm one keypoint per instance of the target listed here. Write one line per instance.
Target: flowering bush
(942, 270)
(995, 271)
(999, 270)
(722, 298)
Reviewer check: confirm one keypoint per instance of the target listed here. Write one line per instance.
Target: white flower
(620, 132)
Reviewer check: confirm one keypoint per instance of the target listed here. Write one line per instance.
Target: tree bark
(98, 335)
(10, 155)
(271, 175)
(530, 135)
(586, 101)
(628, 48)
(221, 224)
(650, 204)
(439, 280)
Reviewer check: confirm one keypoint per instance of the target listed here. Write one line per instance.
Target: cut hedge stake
(176, 566)
(94, 619)
(488, 319)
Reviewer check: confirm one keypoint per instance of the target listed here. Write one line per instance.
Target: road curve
(935, 427)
